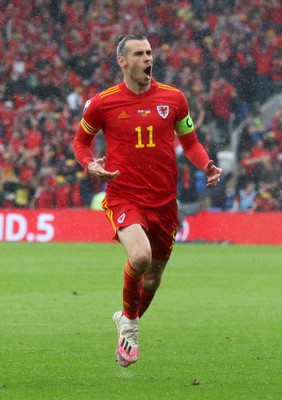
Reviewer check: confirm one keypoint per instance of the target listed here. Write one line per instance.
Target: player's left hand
(213, 174)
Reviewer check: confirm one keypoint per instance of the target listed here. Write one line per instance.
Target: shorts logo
(121, 218)
(163, 111)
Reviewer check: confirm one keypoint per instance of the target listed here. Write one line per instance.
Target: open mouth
(148, 71)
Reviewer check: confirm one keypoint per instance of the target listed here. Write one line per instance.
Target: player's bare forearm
(97, 169)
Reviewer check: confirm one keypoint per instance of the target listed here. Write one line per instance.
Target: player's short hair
(122, 39)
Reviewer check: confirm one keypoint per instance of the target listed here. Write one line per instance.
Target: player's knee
(141, 259)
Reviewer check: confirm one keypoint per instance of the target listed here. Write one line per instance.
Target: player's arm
(195, 151)
(82, 147)
(84, 155)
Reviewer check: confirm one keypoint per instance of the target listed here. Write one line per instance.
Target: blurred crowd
(226, 56)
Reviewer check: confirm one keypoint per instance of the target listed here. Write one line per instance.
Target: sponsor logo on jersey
(163, 111)
(86, 106)
(123, 115)
(121, 218)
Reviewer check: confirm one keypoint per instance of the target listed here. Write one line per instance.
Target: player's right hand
(97, 169)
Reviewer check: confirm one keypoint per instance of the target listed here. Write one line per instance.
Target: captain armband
(184, 126)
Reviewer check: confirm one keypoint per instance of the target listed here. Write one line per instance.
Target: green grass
(217, 318)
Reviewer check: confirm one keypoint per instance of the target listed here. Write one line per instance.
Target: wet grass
(213, 331)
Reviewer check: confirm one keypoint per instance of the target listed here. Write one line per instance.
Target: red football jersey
(139, 131)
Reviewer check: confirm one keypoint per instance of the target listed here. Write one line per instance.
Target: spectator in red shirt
(276, 69)
(33, 138)
(44, 195)
(263, 56)
(62, 193)
(264, 202)
(221, 97)
(276, 127)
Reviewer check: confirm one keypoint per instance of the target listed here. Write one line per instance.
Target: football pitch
(213, 332)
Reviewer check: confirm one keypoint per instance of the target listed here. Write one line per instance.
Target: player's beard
(140, 78)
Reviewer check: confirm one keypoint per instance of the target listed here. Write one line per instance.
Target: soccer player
(139, 118)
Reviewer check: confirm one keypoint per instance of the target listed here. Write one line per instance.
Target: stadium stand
(225, 55)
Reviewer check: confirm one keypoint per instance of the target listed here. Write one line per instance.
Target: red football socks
(132, 286)
(146, 298)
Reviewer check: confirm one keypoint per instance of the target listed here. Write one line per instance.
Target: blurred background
(226, 56)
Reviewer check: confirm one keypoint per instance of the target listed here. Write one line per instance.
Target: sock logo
(121, 218)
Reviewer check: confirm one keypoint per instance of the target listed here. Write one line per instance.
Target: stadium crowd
(226, 56)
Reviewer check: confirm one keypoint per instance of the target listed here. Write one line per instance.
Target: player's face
(138, 62)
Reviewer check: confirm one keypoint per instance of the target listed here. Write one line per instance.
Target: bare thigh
(137, 246)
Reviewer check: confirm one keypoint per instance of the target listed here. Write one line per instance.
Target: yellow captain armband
(184, 126)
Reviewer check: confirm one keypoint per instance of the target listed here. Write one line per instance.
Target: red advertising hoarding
(54, 226)
(92, 226)
(240, 228)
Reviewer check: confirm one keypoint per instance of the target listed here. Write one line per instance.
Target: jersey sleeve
(194, 150)
(82, 147)
(184, 124)
(87, 129)
(91, 116)
(185, 130)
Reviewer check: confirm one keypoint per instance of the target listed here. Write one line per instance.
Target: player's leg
(151, 282)
(128, 222)
(138, 249)
(137, 246)
(162, 223)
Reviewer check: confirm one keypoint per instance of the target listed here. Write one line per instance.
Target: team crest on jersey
(86, 106)
(121, 218)
(163, 111)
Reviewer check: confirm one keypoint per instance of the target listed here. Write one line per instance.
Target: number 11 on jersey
(140, 144)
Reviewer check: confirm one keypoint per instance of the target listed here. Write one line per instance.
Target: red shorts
(160, 223)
